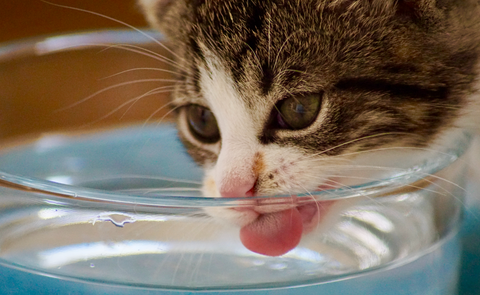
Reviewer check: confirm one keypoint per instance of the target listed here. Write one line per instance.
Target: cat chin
(232, 216)
(245, 213)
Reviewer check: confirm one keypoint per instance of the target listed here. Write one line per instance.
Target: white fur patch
(239, 145)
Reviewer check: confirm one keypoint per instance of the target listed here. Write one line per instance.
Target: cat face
(285, 97)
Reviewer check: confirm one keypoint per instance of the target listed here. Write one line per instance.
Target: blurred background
(25, 18)
(41, 92)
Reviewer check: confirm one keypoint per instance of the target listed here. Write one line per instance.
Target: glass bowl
(98, 196)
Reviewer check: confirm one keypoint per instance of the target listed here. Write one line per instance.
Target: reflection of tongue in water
(276, 233)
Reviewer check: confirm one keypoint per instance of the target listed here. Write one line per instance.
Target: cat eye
(298, 112)
(202, 123)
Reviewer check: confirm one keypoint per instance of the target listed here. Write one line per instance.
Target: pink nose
(238, 187)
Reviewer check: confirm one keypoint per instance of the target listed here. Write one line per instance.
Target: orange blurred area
(80, 89)
(25, 18)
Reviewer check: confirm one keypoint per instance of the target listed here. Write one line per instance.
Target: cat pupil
(300, 109)
(202, 124)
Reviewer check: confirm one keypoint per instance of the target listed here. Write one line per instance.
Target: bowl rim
(73, 193)
(74, 40)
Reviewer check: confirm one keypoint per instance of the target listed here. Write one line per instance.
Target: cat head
(279, 97)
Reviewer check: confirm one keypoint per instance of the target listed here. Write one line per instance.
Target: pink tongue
(273, 234)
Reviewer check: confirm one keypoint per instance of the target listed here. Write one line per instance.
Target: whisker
(425, 179)
(389, 148)
(142, 51)
(196, 269)
(135, 49)
(402, 169)
(359, 139)
(447, 193)
(158, 90)
(146, 191)
(313, 199)
(149, 177)
(351, 188)
(117, 21)
(374, 200)
(141, 69)
(112, 87)
(163, 117)
(130, 101)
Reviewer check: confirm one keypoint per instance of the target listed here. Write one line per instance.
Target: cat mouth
(277, 229)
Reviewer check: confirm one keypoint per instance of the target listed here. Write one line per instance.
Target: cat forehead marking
(235, 117)
(257, 87)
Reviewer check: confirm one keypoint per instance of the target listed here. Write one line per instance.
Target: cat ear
(156, 10)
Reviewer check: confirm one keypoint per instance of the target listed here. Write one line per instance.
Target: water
(371, 249)
(405, 242)
(433, 273)
(194, 252)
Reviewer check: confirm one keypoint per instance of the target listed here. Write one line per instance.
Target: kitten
(274, 96)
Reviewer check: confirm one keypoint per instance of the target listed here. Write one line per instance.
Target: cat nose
(237, 170)
(238, 187)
